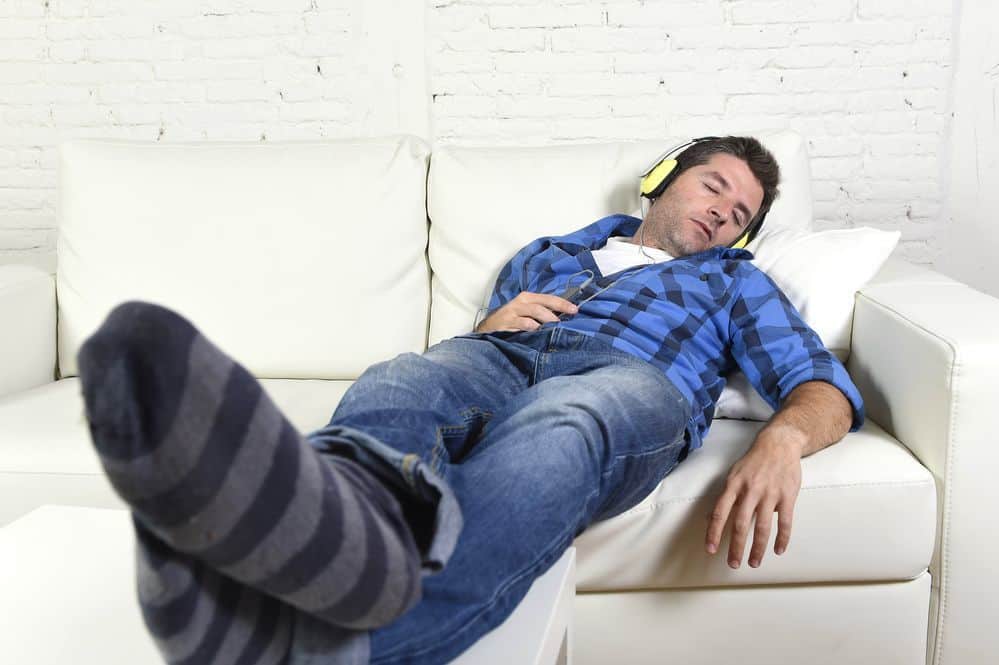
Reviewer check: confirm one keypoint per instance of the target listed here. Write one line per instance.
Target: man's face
(706, 206)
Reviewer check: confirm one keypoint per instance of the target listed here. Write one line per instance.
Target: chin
(698, 245)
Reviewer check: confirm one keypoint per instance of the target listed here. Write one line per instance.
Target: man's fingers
(527, 311)
(541, 314)
(785, 514)
(742, 519)
(718, 518)
(761, 534)
(554, 303)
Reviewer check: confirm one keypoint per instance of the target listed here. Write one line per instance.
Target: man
(461, 474)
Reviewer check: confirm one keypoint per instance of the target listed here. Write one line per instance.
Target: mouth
(703, 228)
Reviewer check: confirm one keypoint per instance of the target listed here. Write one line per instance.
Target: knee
(401, 364)
(393, 373)
(584, 425)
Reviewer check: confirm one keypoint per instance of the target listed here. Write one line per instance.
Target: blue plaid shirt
(697, 317)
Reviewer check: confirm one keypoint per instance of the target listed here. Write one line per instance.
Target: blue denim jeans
(503, 447)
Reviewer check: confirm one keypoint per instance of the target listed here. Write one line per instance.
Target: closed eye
(738, 217)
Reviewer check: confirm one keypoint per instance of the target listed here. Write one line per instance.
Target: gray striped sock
(211, 467)
(198, 616)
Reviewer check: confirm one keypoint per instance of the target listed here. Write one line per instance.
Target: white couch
(308, 261)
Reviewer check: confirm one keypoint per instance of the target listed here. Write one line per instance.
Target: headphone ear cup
(657, 179)
(749, 235)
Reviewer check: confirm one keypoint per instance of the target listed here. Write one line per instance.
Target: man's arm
(768, 477)
(513, 279)
(816, 414)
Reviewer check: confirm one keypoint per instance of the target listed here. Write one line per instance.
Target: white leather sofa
(308, 261)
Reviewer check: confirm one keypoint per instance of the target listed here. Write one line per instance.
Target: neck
(642, 245)
(651, 242)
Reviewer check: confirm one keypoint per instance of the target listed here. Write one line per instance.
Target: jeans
(503, 447)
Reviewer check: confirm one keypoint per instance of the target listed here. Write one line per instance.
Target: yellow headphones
(663, 171)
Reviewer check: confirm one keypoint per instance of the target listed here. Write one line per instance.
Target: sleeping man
(447, 481)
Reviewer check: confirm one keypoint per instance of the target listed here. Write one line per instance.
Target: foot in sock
(212, 468)
(198, 616)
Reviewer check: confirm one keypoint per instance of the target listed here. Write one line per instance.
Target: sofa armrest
(28, 329)
(925, 355)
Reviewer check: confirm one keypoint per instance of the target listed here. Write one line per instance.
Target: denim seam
(473, 411)
(409, 461)
(436, 462)
(436, 456)
(492, 601)
(613, 465)
(617, 458)
(654, 450)
(539, 361)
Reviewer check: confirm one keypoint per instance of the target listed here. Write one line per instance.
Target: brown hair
(759, 160)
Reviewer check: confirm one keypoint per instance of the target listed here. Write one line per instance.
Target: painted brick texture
(179, 70)
(865, 81)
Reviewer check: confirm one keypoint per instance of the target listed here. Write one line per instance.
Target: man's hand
(766, 479)
(527, 311)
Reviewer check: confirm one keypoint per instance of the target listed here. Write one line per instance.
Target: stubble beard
(667, 233)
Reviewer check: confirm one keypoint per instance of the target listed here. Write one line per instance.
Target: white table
(67, 595)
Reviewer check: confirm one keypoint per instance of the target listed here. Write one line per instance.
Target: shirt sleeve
(527, 269)
(514, 278)
(777, 350)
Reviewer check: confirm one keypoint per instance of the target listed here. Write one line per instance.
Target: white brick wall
(186, 70)
(866, 81)
(967, 252)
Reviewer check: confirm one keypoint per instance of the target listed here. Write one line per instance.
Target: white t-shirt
(619, 254)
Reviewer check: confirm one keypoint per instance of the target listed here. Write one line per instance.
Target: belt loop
(553, 338)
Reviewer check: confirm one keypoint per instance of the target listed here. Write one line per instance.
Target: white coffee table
(67, 595)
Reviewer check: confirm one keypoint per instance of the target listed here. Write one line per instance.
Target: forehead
(744, 185)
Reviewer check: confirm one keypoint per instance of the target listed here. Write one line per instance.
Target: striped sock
(211, 467)
(196, 615)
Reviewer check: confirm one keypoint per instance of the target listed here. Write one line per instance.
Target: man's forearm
(814, 415)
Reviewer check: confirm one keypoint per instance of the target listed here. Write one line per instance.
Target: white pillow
(820, 273)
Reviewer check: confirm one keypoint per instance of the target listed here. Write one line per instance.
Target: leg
(409, 419)
(197, 615)
(566, 452)
(211, 468)
(435, 404)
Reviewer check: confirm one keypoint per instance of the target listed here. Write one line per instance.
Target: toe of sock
(132, 372)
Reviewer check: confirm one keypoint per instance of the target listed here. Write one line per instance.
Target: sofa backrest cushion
(486, 203)
(302, 259)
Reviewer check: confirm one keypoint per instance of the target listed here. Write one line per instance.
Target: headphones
(663, 172)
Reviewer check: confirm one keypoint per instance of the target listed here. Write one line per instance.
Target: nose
(719, 214)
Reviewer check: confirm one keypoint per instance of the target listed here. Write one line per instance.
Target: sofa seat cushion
(866, 512)
(46, 455)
